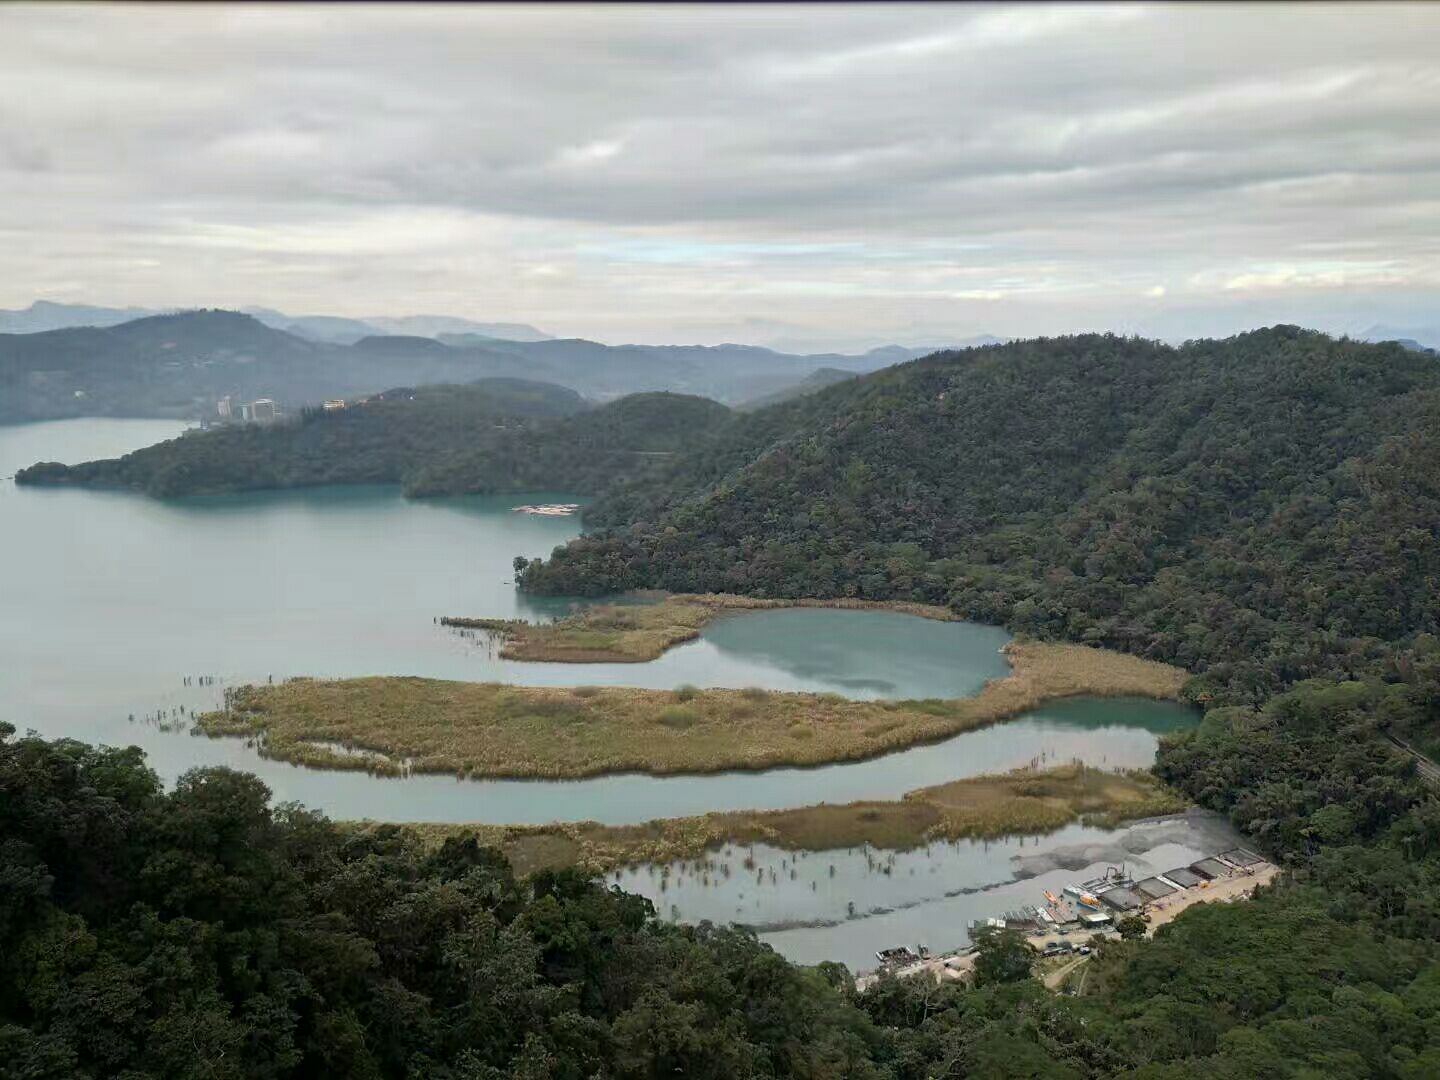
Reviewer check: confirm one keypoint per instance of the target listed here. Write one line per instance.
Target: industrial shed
(1153, 888)
(1122, 899)
(1210, 869)
(1186, 879)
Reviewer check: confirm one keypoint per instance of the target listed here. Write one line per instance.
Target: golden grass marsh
(394, 725)
(1023, 801)
(639, 632)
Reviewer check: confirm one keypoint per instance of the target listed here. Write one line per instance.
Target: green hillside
(201, 932)
(1260, 509)
(496, 435)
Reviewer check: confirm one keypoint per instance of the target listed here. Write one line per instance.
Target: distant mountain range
(47, 315)
(809, 346)
(1415, 338)
(181, 364)
(342, 331)
(818, 379)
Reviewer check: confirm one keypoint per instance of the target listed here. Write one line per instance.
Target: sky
(815, 175)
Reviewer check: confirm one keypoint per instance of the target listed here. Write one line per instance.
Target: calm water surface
(845, 905)
(109, 601)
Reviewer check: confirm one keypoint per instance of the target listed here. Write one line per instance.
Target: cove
(123, 615)
(845, 905)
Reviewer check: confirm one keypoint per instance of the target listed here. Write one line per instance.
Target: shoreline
(400, 725)
(629, 633)
(958, 965)
(1020, 802)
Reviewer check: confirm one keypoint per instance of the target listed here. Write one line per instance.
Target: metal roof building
(1210, 868)
(1183, 877)
(1154, 888)
(1121, 898)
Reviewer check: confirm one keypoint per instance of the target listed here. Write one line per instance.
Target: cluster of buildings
(259, 411)
(1092, 905)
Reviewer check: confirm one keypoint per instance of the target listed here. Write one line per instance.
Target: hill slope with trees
(1263, 507)
(497, 435)
(1259, 510)
(202, 933)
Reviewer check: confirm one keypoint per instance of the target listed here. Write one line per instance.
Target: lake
(846, 905)
(112, 601)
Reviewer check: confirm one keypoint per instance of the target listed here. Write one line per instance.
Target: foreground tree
(1003, 956)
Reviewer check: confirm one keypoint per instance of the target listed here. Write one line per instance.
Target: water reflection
(847, 904)
(879, 654)
(118, 608)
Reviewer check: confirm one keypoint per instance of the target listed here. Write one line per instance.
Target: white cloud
(639, 171)
(592, 152)
(1317, 276)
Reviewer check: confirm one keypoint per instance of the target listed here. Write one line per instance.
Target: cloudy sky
(818, 175)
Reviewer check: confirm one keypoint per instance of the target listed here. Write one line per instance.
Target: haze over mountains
(1412, 337)
(49, 315)
(181, 364)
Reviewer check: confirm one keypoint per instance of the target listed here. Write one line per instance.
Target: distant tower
(263, 410)
(223, 407)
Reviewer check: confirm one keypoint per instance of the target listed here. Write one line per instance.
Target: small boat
(1089, 899)
(1050, 897)
(897, 957)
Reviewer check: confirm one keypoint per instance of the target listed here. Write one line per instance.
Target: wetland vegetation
(1024, 801)
(397, 725)
(1268, 515)
(644, 628)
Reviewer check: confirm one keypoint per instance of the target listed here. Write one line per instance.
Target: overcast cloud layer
(815, 175)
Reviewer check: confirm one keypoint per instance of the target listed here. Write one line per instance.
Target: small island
(1024, 801)
(400, 725)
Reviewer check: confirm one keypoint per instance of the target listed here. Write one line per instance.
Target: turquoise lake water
(110, 600)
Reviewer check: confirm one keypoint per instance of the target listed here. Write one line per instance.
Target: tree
(1003, 956)
(1131, 927)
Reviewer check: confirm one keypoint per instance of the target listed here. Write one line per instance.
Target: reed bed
(639, 632)
(1026, 801)
(398, 725)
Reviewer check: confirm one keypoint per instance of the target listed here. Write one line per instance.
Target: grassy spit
(635, 633)
(1023, 801)
(395, 725)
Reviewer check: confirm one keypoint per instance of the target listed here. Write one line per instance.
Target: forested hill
(1259, 509)
(199, 932)
(498, 435)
